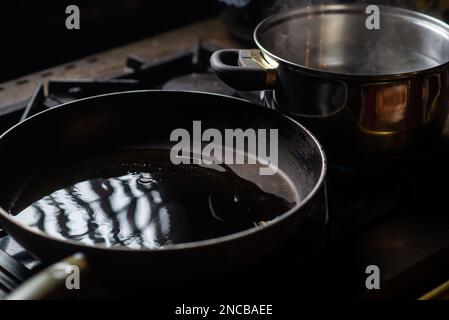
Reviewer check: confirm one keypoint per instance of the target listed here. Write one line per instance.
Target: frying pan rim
(180, 246)
(357, 77)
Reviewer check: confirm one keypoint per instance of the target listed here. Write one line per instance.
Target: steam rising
(429, 7)
(236, 3)
(340, 42)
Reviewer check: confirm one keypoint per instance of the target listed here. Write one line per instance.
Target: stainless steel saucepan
(360, 90)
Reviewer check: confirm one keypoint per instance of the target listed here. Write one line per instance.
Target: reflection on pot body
(390, 108)
(379, 108)
(385, 117)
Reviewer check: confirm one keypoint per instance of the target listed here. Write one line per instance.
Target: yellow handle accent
(51, 283)
(440, 293)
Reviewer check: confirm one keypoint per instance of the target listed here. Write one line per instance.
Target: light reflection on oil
(162, 205)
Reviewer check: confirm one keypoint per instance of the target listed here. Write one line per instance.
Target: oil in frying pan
(139, 199)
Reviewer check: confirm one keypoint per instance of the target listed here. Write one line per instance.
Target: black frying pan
(137, 120)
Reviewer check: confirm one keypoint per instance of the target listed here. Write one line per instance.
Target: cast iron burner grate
(188, 70)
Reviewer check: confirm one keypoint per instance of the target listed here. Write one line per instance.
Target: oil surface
(139, 199)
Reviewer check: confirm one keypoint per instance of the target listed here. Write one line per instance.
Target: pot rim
(266, 23)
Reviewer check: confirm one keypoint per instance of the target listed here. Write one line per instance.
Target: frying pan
(141, 119)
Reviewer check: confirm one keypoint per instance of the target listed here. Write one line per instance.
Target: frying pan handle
(2, 231)
(52, 282)
(245, 70)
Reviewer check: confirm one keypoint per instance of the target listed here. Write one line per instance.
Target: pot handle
(51, 283)
(245, 70)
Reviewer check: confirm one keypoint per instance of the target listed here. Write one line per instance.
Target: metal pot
(371, 92)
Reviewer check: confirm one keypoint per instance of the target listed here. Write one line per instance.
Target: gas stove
(392, 214)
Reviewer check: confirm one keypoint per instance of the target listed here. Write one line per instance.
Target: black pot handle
(244, 70)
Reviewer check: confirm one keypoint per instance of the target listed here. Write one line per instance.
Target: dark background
(33, 34)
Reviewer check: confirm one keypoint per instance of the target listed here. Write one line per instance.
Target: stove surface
(393, 215)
